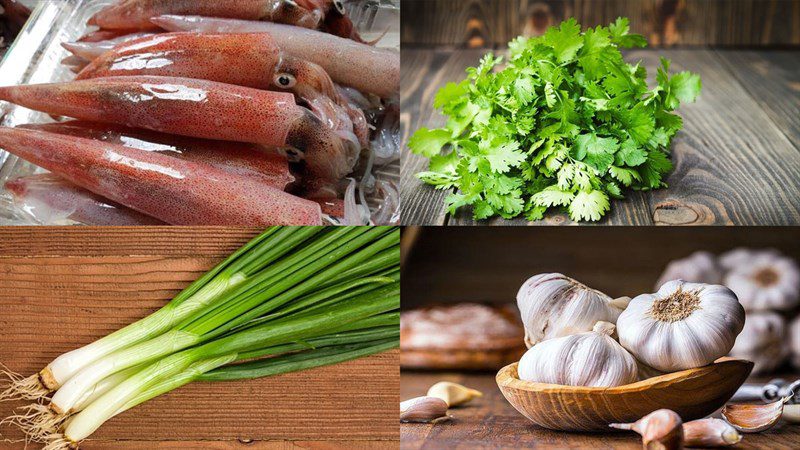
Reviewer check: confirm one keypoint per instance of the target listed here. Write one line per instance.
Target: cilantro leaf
(565, 123)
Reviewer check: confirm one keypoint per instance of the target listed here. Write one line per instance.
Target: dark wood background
(452, 264)
(492, 23)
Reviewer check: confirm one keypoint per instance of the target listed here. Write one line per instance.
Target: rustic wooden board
(64, 287)
(736, 160)
(491, 422)
(492, 23)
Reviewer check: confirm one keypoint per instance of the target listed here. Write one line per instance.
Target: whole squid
(136, 13)
(173, 190)
(249, 160)
(364, 67)
(248, 59)
(52, 200)
(203, 109)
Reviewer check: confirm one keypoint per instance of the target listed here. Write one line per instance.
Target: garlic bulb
(699, 267)
(683, 325)
(740, 256)
(554, 305)
(762, 341)
(764, 280)
(794, 342)
(585, 359)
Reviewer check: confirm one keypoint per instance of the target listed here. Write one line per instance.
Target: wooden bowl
(693, 394)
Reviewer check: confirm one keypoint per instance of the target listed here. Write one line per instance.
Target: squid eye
(285, 80)
(339, 5)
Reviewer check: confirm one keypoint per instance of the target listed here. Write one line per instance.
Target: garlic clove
(791, 413)
(749, 418)
(453, 394)
(661, 429)
(423, 409)
(710, 433)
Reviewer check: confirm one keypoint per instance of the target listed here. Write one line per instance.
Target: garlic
(423, 409)
(791, 413)
(699, 267)
(553, 305)
(453, 394)
(762, 341)
(661, 429)
(682, 326)
(753, 418)
(585, 359)
(710, 433)
(794, 341)
(764, 280)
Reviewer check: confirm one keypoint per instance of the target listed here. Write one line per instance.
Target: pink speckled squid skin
(47, 197)
(364, 67)
(197, 108)
(128, 14)
(246, 59)
(249, 160)
(175, 191)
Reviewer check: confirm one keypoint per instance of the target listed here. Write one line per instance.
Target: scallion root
(38, 422)
(59, 442)
(20, 387)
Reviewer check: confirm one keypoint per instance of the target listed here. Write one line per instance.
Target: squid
(249, 160)
(91, 50)
(249, 59)
(202, 109)
(366, 68)
(173, 190)
(136, 13)
(52, 200)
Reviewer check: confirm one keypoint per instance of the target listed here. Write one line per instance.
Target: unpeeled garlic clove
(791, 413)
(661, 429)
(710, 433)
(453, 394)
(753, 418)
(423, 409)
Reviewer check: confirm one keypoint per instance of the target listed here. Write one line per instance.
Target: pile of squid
(231, 112)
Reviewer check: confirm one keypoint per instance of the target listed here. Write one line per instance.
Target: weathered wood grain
(492, 23)
(64, 287)
(733, 164)
(491, 422)
(736, 160)
(772, 78)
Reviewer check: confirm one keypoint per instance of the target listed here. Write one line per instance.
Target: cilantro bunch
(566, 123)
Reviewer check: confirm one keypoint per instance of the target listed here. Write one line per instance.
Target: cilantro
(565, 123)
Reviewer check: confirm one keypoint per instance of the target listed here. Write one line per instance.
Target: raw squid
(136, 13)
(173, 190)
(249, 160)
(249, 59)
(204, 109)
(366, 68)
(335, 18)
(52, 200)
(104, 35)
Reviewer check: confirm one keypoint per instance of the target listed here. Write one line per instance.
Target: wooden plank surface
(64, 287)
(491, 422)
(492, 23)
(736, 160)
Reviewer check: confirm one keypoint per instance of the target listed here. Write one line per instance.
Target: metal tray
(35, 57)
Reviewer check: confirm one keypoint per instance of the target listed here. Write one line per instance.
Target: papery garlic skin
(682, 326)
(699, 267)
(764, 280)
(762, 341)
(794, 341)
(553, 305)
(585, 359)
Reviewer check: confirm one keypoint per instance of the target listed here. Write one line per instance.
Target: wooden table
(64, 287)
(737, 160)
(491, 422)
